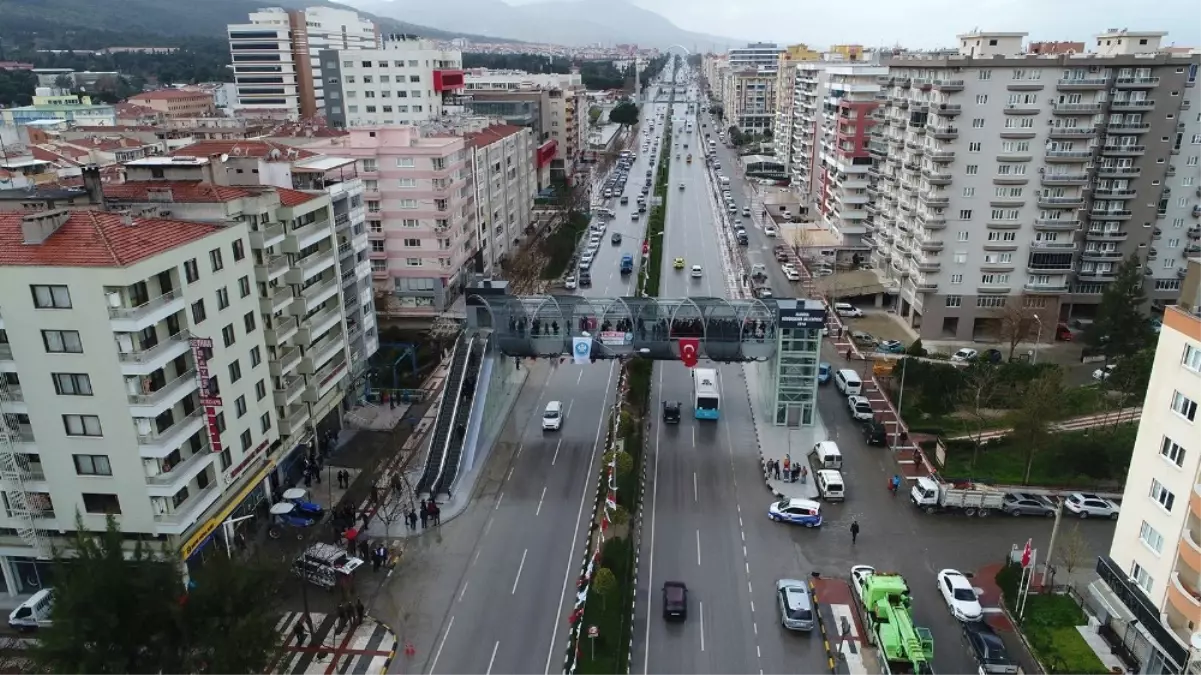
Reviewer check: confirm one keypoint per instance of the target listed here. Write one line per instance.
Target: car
(1088, 505)
(862, 338)
(792, 275)
(991, 356)
(847, 309)
(634, 216)
(569, 282)
(586, 261)
(823, 272)
(746, 212)
(585, 278)
(732, 207)
(860, 407)
(891, 347)
(1103, 373)
(824, 372)
(678, 263)
(675, 601)
(696, 272)
(763, 292)
(959, 595)
(616, 238)
(796, 605)
(671, 412)
(988, 649)
(1023, 504)
(964, 355)
(770, 230)
(874, 432)
(796, 511)
(552, 416)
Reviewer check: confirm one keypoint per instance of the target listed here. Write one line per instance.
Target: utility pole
(1051, 546)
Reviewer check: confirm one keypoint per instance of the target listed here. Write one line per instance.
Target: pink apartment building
(420, 215)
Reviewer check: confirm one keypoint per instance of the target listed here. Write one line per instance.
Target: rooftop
(184, 191)
(491, 134)
(96, 239)
(244, 148)
(167, 94)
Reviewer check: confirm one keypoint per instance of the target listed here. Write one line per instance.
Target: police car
(796, 511)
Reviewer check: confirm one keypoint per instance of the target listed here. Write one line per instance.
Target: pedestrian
(298, 632)
(854, 531)
(848, 353)
(366, 516)
(317, 474)
(308, 478)
(364, 548)
(775, 465)
(804, 474)
(360, 612)
(381, 554)
(411, 519)
(787, 466)
(343, 618)
(376, 560)
(425, 516)
(437, 515)
(396, 484)
(796, 472)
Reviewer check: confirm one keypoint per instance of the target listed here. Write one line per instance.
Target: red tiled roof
(182, 191)
(289, 197)
(54, 156)
(492, 134)
(242, 148)
(96, 239)
(126, 108)
(107, 143)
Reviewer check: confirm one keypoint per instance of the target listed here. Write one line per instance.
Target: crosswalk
(367, 648)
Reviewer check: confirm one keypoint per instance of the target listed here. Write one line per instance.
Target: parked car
(862, 338)
(1023, 504)
(847, 309)
(860, 407)
(824, 372)
(891, 347)
(874, 432)
(988, 649)
(1088, 505)
(1103, 373)
(960, 596)
(964, 355)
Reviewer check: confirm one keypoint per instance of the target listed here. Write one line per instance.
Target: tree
(1042, 401)
(624, 113)
(594, 115)
(126, 611)
(1121, 327)
(1073, 551)
(625, 461)
(620, 516)
(980, 390)
(1017, 322)
(64, 82)
(604, 584)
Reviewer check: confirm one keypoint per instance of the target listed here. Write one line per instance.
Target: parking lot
(882, 324)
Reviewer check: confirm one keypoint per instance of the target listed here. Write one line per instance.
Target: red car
(1063, 333)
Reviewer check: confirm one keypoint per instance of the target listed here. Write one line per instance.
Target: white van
(724, 180)
(848, 382)
(826, 455)
(34, 613)
(552, 417)
(830, 485)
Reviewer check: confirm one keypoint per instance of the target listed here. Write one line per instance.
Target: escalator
(444, 424)
(467, 398)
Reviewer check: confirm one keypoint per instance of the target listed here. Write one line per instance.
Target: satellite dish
(224, 157)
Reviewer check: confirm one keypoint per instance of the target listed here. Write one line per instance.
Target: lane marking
(493, 659)
(580, 376)
(572, 561)
(694, 437)
(519, 449)
(650, 572)
(510, 476)
(438, 654)
(477, 556)
(752, 606)
(701, 611)
(694, 493)
(571, 403)
(556, 457)
(499, 499)
(539, 510)
(464, 591)
(488, 526)
(520, 567)
(698, 548)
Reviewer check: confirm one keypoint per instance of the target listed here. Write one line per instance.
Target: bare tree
(1042, 401)
(1073, 550)
(980, 389)
(1017, 322)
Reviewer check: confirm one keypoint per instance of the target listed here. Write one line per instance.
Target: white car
(964, 355)
(696, 272)
(770, 230)
(1102, 374)
(861, 408)
(1091, 506)
(586, 261)
(552, 417)
(960, 596)
(847, 309)
(569, 282)
(791, 274)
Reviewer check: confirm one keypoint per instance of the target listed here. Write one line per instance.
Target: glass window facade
(794, 379)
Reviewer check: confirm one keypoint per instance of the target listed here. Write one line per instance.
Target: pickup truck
(627, 263)
(971, 499)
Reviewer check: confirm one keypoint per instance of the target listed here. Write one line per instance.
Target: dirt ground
(882, 325)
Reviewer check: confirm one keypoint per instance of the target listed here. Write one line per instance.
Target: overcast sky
(922, 23)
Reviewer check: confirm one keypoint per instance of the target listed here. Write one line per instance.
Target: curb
(758, 441)
(831, 655)
(392, 650)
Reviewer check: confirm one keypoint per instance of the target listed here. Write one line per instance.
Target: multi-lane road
(490, 591)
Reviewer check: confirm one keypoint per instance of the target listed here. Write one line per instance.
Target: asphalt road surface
(490, 591)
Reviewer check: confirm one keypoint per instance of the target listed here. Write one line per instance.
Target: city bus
(705, 395)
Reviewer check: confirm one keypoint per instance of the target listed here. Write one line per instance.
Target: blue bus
(705, 394)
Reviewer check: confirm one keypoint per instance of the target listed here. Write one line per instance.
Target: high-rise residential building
(420, 214)
(782, 122)
(502, 158)
(1009, 177)
(276, 61)
(759, 56)
(556, 111)
(1151, 579)
(136, 379)
(841, 183)
(405, 81)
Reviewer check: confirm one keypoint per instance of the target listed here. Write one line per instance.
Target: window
(105, 504)
(990, 301)
(248, 322)
(72, 384)
(412, 243)
(227, 335)
(960, 257)
(413, 262)
(265, 423)
(198, 314)
(404, 162)
(51, 297)
(407, 203)
(62, 342)
(962, 235)
(1192, 358)
(981, 99)
(956, 279)
(1162, 495)
(1184, 406)
(215, 260)
(978, 123)
(256, 357)
(954, 301)
(406, 182)
(1153, 539)
(260, 390)
(974, 146)
(239, 250)
(82, 425)
(1140, 577)
(92, 465)
(246, 440)
(965, 214)
(227, 459)
(972, 169)
(1172, 451)
(243, 287)
(221, 422)
(240, 406)
(969, 192)
(222, 298)
(235, 371)
(191, 271)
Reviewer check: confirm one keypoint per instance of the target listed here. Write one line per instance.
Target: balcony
(153, 403)
(154, 444)
(1075, 156)
(1136, 83)
(320, 352)
(934, 199)
(341, 221)
(282, 329)
(1105, 235)
(180, 518)
(1053, 289)
(1022, 109)
(291, 389)
(311, 265)
(1095, 255)
(1127, 128)
(946, 109)
(1124, 150)
(1131, 106)
(1061, 202)
(320, 323)
(1110, 193)
(1075, 108)
(272, 269)
(316, 295)
(167, 483)
(928, 265)
(941, 156)
(277, 301)
(1082, 83)
(294, 419)
(1096, 276)
(267, 236)
(1061, 246)
(1056, 224)
(947, 85)
(285, 362)
(143, 358)
(1110, 214)
(134, 319)
(942, 133)
(1063, 178)
(937, 177)
(931, 245)
(1183, 597)
(6, 351)
(1072, 133)
(329, 376)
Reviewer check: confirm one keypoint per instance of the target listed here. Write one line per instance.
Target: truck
(884, 604)
(627, 263)
(934, 495)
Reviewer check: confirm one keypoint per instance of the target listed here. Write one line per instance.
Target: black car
(875, 433)
(585, 278)
(671, 412)
(988, 649)
(675, 600)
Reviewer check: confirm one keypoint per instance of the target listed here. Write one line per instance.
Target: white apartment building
(761, 56)
(1008, 177)
(848, 105)
(504, 175)
(484, 79)
(1152, 576)
(405, 81)
(749, 99)
(277, 69)
(136, 379)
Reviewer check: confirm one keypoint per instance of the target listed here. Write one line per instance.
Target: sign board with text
(210, 401)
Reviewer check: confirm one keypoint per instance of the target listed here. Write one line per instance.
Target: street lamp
(1038, 338)
(896, 436)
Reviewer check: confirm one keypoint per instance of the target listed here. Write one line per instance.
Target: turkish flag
(689, 351)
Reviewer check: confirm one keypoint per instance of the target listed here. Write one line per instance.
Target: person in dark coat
(411, 519)
(425, 516)
(854, 531)
(360, 612)
(437, 513)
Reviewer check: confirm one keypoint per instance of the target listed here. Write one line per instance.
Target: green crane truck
(884, 606)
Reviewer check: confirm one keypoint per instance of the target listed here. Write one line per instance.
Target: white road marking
(476, 557)
(694, 437)
(493, 659)
(698, 548)
(752, 606)
(701, 612)
(571, 403)
(510, 476)
(519, 449)
(556, 457)
(520, 567)
(462, 592)
(755, 627)
(694, 493)
(438, 654)
(580, 376)
(539, 511)
(650, 572)
(499, 499)
(488, 526)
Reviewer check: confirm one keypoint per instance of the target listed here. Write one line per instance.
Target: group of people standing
(788, 470)
(428, 512)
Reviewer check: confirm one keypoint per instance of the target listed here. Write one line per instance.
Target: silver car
(796, 604)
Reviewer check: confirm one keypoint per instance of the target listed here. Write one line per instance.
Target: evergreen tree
(1121, 327)
(624, 113)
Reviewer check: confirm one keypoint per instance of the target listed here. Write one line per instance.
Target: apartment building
(502, 158)
(714, 68)
(405, 81)
(1151, 579)
(485, 79)
(842, 180)
(557, 115)
(420, 215)
(177, 103)
(1010, 177)
(783, 120)
(135, 380)
(276, 57)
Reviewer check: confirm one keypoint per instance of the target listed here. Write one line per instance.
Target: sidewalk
(843, 636)
(366, 648)
(776, 442)
(985, 583)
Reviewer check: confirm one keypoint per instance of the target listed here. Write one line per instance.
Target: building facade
(847, 120)
(557, 116)
(1008, 177)
(177, 103)
(405, 81)
(503, 161)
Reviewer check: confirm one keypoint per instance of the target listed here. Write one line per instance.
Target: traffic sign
(593, 631)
